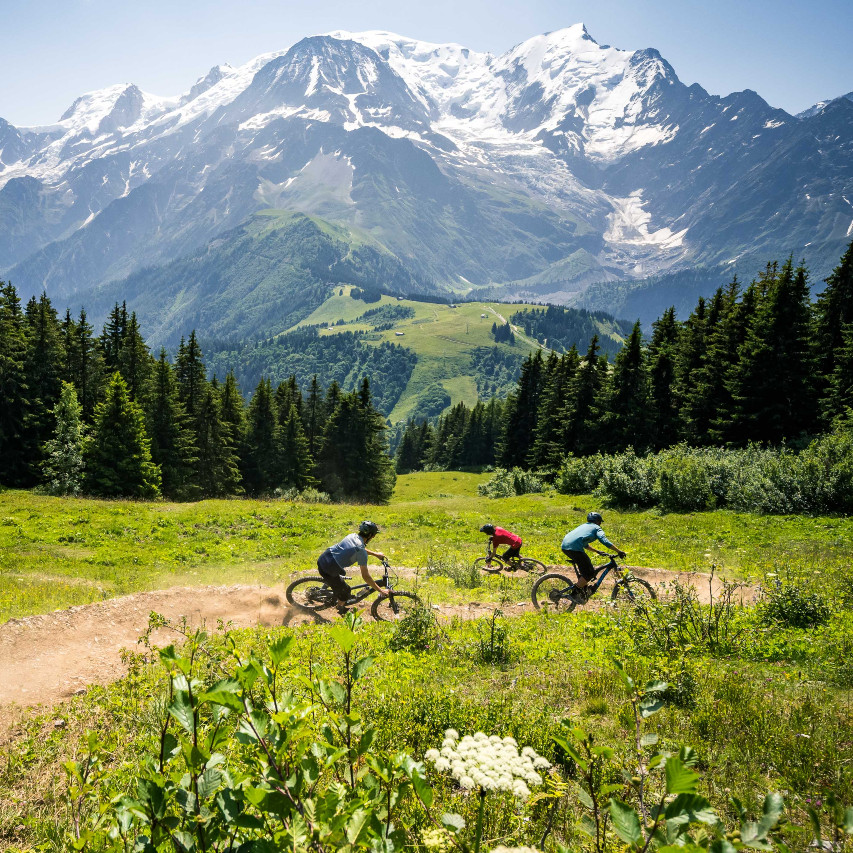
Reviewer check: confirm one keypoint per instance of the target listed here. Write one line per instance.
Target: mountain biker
(576, 544)
(352, 549)
(499, 536)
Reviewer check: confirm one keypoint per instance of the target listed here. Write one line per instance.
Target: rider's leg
(511, 553)
(339, 586)
(584, 566)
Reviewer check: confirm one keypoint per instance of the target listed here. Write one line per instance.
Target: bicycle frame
(365, 589)
(610, 566)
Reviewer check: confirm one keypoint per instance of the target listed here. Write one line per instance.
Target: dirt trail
(45, 659)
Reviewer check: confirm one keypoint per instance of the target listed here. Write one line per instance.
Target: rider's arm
(605, 541)
(378, 554)
(369, 580)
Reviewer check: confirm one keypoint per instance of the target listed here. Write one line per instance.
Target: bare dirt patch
(45, 659)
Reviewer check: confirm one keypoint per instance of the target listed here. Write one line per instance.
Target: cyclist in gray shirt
(352, 549)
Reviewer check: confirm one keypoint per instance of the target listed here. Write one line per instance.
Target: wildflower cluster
(489, 763)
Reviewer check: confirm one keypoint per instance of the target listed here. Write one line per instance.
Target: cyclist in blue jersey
(576, 544)
(352, 549)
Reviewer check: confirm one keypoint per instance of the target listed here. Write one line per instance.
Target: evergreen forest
(99, 415)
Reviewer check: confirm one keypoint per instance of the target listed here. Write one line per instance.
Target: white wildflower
(432, 755)
(511, 741)
(466, 782)
(452, 734)
(529, 751)
(520, 789)
(541, 763)
(442, 765)
(533, 779)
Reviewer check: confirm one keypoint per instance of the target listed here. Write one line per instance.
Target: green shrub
(793, 606)
(417, 631)
(580, 475)
(508, 484)
(684, 484)
(628, 480)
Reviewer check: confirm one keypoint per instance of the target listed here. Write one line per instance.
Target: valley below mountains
(565, 171)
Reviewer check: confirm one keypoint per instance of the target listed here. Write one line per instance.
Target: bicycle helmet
(368, 528)
(594, 518)
(488, 528)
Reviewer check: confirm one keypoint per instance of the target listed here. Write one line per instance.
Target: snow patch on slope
(629, 224)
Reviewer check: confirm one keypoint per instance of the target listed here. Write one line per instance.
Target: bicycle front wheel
(392, 608)
(533, 567)
(634, 590)
(493, 566)
(551, 594)
(311, 593)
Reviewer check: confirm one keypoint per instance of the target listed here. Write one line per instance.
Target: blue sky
(792, 52)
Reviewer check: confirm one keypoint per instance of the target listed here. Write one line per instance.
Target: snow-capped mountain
(559, 163)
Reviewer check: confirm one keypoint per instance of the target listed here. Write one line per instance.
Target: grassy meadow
(443, 337)
(762, 694)
(57, 552)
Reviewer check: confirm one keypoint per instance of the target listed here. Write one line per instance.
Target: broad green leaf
(656, 686)
(208, 782)
(172, 660)
(361, 667)
(181, 709)
(630, 686)
(626, 822)
(680, 779)
(279, 648)
(454, 822)
(225, 693)
(332, 692)
(688, 756)
(648, 740)
(690, 808)
(848, 821)
(357, 824)
(605, 752)
(588, 826)
(366, 741)
(422, 788)
(774, 805)
(585, 798)
(230, 807)
(343, 636)
(570, 750)
(650, 706)
(721, 845)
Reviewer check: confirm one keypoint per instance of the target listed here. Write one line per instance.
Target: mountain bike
(556, 592)
(495, 564)
(314, 594)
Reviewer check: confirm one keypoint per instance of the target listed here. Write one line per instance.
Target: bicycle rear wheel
(493, 566)
(394, 607)
(533, 567)
(551, 594)
(311, 593)
(634, 590)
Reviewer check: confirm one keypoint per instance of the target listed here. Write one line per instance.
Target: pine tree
(353, 461)
(172, 437)
(43, 367)
(407, 458)
(86, 367)
(113, 337)
(218, 473)
(521, 413)
(582, 412)
(689, 360)
(547, 450)
(135, 362)
(661, 358)
(833, 312)
(838, 398)
(234, 415)
(294, 461)
(261, 466)
(14, 469)
(192, 382)
(118, 453)
(771, 386)
(493, 429)
(626, 419)
(313, 416)
(63, 454)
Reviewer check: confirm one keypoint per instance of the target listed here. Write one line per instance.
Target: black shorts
(582, 561)
(331, 573)
(511, 553)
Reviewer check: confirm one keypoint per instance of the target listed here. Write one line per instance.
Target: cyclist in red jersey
(499, 536)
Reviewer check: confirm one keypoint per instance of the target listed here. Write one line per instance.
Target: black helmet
(368, 528)
(488, 528)
(594, 518)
